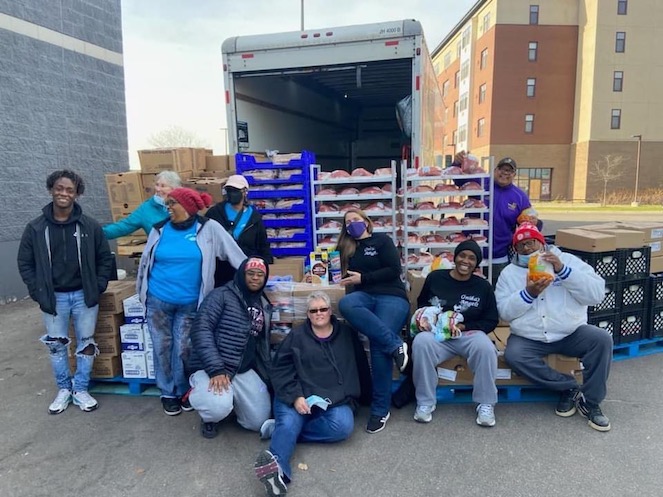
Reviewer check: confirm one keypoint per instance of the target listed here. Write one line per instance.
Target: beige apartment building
(557, 85)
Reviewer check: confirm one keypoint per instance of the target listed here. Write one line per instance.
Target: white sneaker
(485, 415)
(85, 401)
(61, 402)
(424, 414)
(267, 429)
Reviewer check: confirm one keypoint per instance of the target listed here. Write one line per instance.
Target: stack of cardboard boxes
(107, 332)
(136, 342)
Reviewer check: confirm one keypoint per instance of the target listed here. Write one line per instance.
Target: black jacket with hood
(221, 330)
(305, 365)
(44, 266)
(252, 240)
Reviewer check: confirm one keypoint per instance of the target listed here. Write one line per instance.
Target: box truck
(334, 91)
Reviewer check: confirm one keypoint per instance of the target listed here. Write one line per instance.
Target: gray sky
(172, 51)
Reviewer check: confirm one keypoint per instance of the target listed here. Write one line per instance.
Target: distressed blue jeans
(333, 425)
(169, 326)
(70, 305)
(380, 318)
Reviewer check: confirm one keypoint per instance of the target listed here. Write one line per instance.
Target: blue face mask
(356, 228)
(159, 200)
(522, 260)
(316, 400)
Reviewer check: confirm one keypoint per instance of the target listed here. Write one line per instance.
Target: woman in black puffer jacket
(230, 358)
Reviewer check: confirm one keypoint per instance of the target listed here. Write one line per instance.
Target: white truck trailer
(334, 92)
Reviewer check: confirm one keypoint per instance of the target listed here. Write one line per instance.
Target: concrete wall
(62, 105)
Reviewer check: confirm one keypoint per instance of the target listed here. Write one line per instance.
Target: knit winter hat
(472, 246)
(255, 263)
(527, 231)
(191, 200)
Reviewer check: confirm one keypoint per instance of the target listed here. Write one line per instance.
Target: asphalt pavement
(128, 447)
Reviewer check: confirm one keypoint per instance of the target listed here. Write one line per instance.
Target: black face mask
(234, 196)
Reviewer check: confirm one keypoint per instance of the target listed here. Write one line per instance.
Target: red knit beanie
(191, 200)
(527, 231)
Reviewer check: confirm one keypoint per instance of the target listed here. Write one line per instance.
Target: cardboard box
(220, 163)
(134, 365)
(624, 238)
(172, 159)
(149, 363)
(147, 181)
(124, 188)
(106, 367)
(212, 186)
(656, 264)
(134, 310)
(416, 281)
(290, 266)
(585, 240)
(108, 345)
(149, 345)
(120, 211)
(110, 302)
(301, 291)
(108, 324)
(132, 337)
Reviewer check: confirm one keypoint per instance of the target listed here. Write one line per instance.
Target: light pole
(302, 14)
(637, 171)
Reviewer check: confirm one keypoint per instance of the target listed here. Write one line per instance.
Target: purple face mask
(356, 228)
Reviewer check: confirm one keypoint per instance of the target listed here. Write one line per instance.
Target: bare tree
(607, 169)
(176, 136)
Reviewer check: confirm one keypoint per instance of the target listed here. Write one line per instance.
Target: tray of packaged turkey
(335, 192)
(441, 208)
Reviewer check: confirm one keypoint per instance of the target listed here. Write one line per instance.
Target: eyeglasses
(255, 274)
(320, 309)
(528, 244)
(506, 170)
(171, 202)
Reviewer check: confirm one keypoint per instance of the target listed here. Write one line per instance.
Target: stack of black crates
(656, 305)
(626, 309)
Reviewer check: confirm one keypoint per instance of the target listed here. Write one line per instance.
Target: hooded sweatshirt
(256, 313)
(65, 265)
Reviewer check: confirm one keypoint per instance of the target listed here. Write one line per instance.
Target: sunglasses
(321, 309)
(170, 202)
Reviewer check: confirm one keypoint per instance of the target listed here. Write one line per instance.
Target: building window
(534, 14)
(456, 79)
(445, 88)
(531, 87)
(617, 81)
(484, 59)
(529, 123)
(456, 108)
(447, 59)
(465, 70)
(462, 133)
(486, 22)
(620, 42)
(458, 50)
(480, 125)
(463, 102)
(532, 50)
(465, 37)
(622, 7)
(454, 138)
(482, 93)
(616, 119)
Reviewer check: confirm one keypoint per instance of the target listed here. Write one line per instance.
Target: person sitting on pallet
(544, 294)
(460, 292)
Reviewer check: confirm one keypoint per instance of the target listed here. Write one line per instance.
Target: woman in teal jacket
(150, 212)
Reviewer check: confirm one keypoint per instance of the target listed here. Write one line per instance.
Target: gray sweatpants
(247, 394)
(591, 344)
(475, 346)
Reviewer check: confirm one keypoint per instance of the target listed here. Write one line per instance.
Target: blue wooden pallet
(125, 386)
(462, 394)
(637, 349)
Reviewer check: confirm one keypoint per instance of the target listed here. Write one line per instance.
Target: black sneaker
(400, 356)
(269, 473)
(209, 430)
(377, 423)
(592, 412)
(567, 403)
(171, 406)
(186, 405)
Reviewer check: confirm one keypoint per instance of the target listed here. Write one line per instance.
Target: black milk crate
(656, 289)
(635, 262)
(606, 322)
(630, 326)
(633, 294)
(655, 322)
(606, 264)
(610, 304)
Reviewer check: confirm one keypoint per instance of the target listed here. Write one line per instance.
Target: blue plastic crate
(245, 162)
(286, 223)
(300, 193)
(291, 252)
(295, 178)
(299, 237)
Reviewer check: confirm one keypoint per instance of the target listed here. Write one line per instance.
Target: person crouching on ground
(65, 261)
(462, 291)
(176, 272)
(549, 316)
(230, 356)
(316, 382)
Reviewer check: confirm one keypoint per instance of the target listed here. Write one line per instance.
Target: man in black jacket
(230, 351)
(243, 222)
(65, 261)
